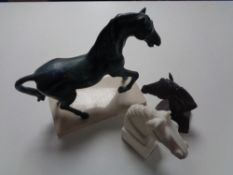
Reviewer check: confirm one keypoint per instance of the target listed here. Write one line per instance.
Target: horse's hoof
(85, 115)
(41, 98)
(122, 89)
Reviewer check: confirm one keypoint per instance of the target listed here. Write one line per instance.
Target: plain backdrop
(197, 48)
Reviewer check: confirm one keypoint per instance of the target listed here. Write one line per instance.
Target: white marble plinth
(101, 101)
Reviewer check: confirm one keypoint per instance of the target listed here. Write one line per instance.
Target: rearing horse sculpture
(60, 77)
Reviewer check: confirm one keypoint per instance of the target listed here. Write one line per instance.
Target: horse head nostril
(186, 144)
(180, 154)
(158, 41)
(144, 89)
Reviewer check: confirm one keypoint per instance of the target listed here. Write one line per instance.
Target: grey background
(197, 40)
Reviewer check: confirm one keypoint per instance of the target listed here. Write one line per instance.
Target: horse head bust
(164, 88)
(149, 126)
(166, 132)
(180, 101)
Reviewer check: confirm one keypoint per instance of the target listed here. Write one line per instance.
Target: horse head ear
(155, 122)
(170, 77)
(143, 10)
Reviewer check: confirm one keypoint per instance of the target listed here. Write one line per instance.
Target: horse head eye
(147, 22)
(143, 20)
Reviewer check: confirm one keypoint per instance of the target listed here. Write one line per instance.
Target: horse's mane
(108, 34)
(124, 17)
(117, 20)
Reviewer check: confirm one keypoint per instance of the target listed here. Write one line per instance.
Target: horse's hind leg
(66, 99)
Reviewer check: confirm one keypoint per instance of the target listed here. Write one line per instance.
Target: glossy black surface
(179, 100)
(60, 77)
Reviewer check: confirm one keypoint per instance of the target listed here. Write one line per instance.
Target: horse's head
(143, 29)
(163, 88)
(179, 99)
(166, 131)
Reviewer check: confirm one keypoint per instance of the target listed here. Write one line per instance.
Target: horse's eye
(149, 28)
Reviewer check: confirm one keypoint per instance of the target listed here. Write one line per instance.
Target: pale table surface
(197, 47)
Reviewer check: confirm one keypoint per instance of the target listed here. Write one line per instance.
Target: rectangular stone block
(101, 101)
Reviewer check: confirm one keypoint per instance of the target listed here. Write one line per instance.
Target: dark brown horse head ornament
(180, 101)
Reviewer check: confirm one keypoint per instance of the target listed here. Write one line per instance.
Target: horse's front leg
(128, 73)
(122, 72)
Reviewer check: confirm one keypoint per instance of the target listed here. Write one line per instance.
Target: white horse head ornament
(143, 124)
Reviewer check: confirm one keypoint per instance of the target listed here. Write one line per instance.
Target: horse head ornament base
(144, 127)
(60, 77)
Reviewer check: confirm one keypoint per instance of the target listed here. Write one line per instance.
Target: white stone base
(101, 101)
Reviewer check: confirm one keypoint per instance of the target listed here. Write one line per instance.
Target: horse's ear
(143, 10)
(170, 77)
(155, 122)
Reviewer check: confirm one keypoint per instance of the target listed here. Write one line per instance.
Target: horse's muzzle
(144, 89)
(153, 39)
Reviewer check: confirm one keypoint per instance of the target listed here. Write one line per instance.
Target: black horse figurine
(180, 102)
(60, 77)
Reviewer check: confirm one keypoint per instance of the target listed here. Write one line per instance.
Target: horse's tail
(27, 90)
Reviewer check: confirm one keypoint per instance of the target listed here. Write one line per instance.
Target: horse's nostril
(186, 144)
(158, 42)
(144, 90)
(179, 154)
